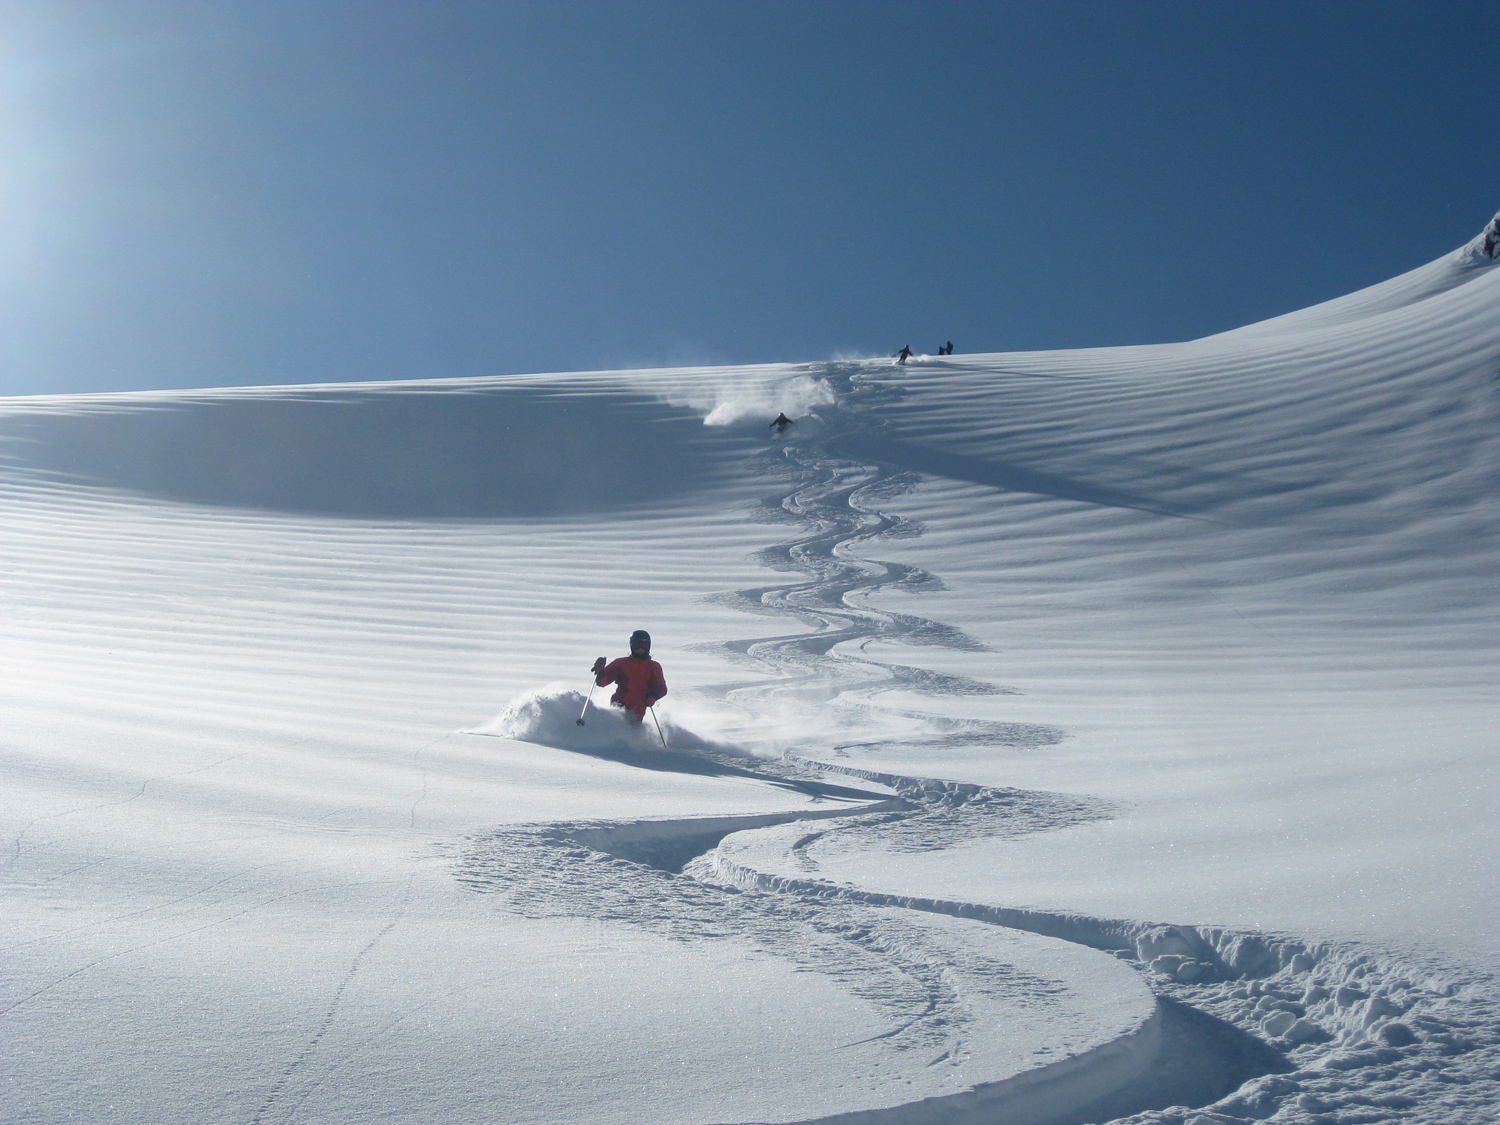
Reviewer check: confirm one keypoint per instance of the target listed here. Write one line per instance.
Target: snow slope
(1053, 737)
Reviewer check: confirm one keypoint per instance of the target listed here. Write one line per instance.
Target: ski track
(292, 1069)
(1260, 1025)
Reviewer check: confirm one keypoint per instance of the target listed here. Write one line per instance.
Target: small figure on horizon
(946, 349)
(640, 678)
(782, 423)
(904, 354)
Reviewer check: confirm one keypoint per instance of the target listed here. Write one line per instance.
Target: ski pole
(657, 721)
(586, 699)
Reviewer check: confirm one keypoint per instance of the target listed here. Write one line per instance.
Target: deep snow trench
(1248, 1025)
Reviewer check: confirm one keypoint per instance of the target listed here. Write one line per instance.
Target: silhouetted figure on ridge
(904, 354)
(1490, 247)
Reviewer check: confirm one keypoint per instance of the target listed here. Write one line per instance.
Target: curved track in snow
(837, 501)
(682, 878)
(1247, 1025)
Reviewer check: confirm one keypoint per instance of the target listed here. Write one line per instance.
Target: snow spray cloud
(728, 396)
(794, 397)
(549, 716)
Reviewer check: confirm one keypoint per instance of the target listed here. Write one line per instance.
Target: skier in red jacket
(639, 677)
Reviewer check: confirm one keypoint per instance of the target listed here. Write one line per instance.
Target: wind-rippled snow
(1075, 736)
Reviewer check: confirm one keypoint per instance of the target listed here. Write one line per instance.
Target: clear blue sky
(205, 194)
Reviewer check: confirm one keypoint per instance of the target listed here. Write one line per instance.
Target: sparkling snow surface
(1052, 738)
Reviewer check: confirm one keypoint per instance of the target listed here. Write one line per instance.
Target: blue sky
(207, 194)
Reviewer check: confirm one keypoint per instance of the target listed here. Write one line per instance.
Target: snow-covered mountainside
(1052, 738)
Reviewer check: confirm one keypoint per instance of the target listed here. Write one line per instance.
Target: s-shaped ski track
(1241, 1025)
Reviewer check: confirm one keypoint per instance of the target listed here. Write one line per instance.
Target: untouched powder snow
(1052, 738)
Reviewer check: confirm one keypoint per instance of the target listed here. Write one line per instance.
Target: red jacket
(641, 683)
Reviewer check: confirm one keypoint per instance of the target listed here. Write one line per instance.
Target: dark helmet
(640, 639)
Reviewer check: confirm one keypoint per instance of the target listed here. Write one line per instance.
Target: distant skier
(640, 679)
(782, 424)
(904, 354)
(946, 349)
